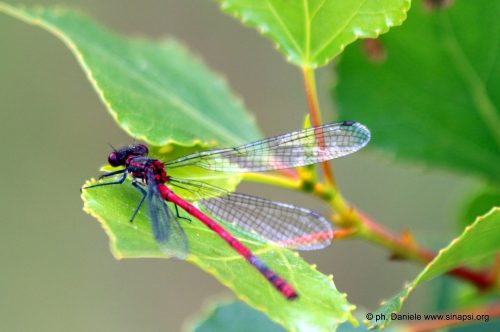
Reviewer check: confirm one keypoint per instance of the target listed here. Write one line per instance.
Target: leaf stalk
(315, 114)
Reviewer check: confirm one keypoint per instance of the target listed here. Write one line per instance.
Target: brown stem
(495, 270)
(353, 222)
(411, 250)
(478, 314)
(348, 217)
(344, 233)
(315, 113)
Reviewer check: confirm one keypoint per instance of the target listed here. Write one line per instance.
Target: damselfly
(277, 223)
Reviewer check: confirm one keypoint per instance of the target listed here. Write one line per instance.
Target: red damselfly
(277, 223)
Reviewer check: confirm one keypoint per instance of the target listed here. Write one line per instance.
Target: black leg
(119, 181)
(105, 175)
(144, 194)
(179, 216)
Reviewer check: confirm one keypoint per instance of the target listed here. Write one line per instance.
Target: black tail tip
(348, 123)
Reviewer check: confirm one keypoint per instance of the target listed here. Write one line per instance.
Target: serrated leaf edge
(17, 12)
(412, 285)
(346, 316)
(304, 63)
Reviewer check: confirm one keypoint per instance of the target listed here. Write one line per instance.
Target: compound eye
(114, 160)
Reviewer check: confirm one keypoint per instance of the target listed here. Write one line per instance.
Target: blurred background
(57, 272)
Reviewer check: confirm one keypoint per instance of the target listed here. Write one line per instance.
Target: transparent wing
(280, 224)
(299, 148)
(167, 231)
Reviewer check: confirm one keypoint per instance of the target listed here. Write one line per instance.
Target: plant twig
(495, 270)
(410, 250)
(315, 113)
(356, 223)
(344, 233)
(272, 179)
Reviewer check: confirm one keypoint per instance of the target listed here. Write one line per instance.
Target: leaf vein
(337, 33)
(284, 27)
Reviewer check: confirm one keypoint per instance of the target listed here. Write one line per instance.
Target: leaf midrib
(69, 41)
(337, 33)
(164, 94)
(285, 28)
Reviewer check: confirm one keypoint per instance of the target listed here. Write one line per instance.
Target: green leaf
(479, 241)
(235, 316)
(319, 307)
(436, 96)
(479, 204)
(156, 91)
(310, 33)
